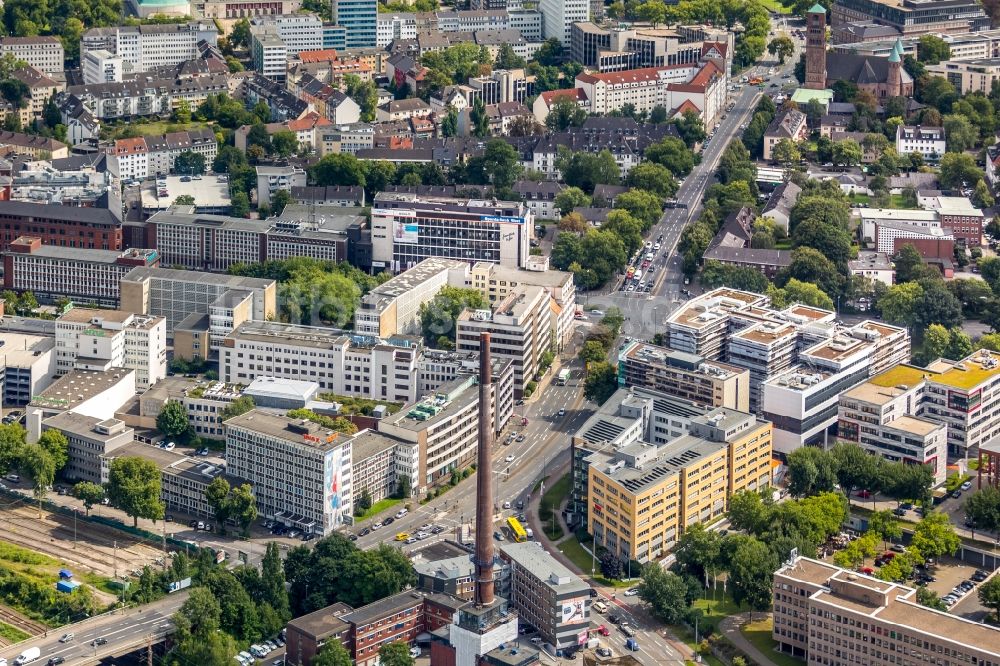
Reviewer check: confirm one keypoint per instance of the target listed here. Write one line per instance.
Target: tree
(981, 196)
(279, 200)
(184, 200)
(499, 165)
(284, 143)
(437, 318)
(910, 266)
(54, 443)
(182, 114)
(931, 50)
(959, 168)
(241, 405)
(935, 536)
(585, 170)
(690, 127)
(989, 595)
(642, 205)
(856, 468)
(570, 198)
(673, 154)
(480, 124)
(781, 46)
(593, 352)
(13, 439)
(751, 571)
(611, 566)
(983, 508)
(243, 507)
(89, 493)
(601, 382)
(811, 266)
(786, 152)
(899, 301)
(960, 134)
(239, 36)
(41, 467)
(936, 305)
(172, 420)
(697, 550)
(930, 598)
(190, 162)
(507, 59)
(665, 592)
(831, 241)
(847, 153)
(363, 502)
(885, 526)
(395, 654)
(337, 169)
(810, 471)
(134, 487)
(332, 653)
(565, 113)
(239, 205)
(652, 177)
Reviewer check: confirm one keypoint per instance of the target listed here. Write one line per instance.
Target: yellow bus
(516, 531)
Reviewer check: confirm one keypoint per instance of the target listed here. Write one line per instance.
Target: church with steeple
(882, 77)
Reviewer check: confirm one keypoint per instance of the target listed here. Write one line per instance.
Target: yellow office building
(642, 497)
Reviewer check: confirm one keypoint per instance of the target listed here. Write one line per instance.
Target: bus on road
(516, 531)
(562, 377)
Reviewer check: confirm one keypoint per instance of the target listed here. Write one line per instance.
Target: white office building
(102, 66)
(298, 32)
(558, 17)
(106, 339)
(146, 47)
(300, 471)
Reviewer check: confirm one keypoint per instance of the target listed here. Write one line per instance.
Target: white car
(414, 652)
(632, 592)
(509, 459)
(66, 638)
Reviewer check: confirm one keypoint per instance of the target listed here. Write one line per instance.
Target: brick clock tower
(816, 48)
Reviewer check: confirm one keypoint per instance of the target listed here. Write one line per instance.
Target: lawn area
(895, 200)
(720, 608)
(577, 554)
(776, 7)
(12, 634)
(759, 633)
(553, 498)
(377, 508)
(154, 128)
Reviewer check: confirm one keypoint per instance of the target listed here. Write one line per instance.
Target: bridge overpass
(124, 633)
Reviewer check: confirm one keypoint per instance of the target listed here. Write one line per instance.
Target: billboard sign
(405, 232)
(574, 610)
(501, 218)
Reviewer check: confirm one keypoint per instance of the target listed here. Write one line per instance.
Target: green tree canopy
(134, 487)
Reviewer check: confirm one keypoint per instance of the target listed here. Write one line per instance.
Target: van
(28, 656)
(600, 607)
(529, 534)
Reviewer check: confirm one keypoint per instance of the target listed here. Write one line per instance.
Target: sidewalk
(730, 627)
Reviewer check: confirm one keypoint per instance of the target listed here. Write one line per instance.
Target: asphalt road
(121, 631)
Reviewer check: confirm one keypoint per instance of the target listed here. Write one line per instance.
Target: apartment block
(90, 439)
(81, 275)
(886, 421)
(558, 17)
(270, 179)
(176, 294)
(298, 32)
(408, 228)
(342, 362)
(394, 306)
(546, 594)
(105, 339)
(444, 425)
(642, 497)
(521, 330)
(300, 471)
(928, 141)
(144, 48)
(686, 376)
(835, 617)
(45, 54)
(765, 349)
(142, 157)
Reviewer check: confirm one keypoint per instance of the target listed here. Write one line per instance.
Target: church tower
(816, 48)
(894, 77)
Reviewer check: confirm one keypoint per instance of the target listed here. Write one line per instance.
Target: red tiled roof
(129, 146)
(628, 76)
(551, 96)
(308, 121)
(687, 105)
(320, 55)
(721, 47)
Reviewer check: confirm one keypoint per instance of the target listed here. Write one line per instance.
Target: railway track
(18, 621)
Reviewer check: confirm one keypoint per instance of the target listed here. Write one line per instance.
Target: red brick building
(62, 226)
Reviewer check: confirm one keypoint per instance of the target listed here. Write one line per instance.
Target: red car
(864, 493)
(603, 631)
(868, 571)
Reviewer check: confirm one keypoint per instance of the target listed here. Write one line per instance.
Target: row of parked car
(964, 587)
(260, 651)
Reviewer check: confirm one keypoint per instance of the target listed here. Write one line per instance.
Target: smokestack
(484, 479)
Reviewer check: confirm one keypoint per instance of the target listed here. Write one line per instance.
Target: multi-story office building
(144, 48)
(175, 294)
(394, 306)
(359, 19)
(836, 617)
(444, 426)
(609, 49)
(546, 594)
(630, 415)
(391, 27)
(914, 17)
(958, 394)
(87, 392)
(90, 439)
(45, 54)
(380, 461)
(199, 242)
(408, 228)
(560, 15)
(886, 421)
(342, 362)
(268, 54)
(300, 471)
(642, 497)
(298, 32)
(272, 178)
(106, 339)
(63, 226)
(740, 328)
(521, 330)
(100, 66)
(29, 363)
(708, 383)
(84, 276)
